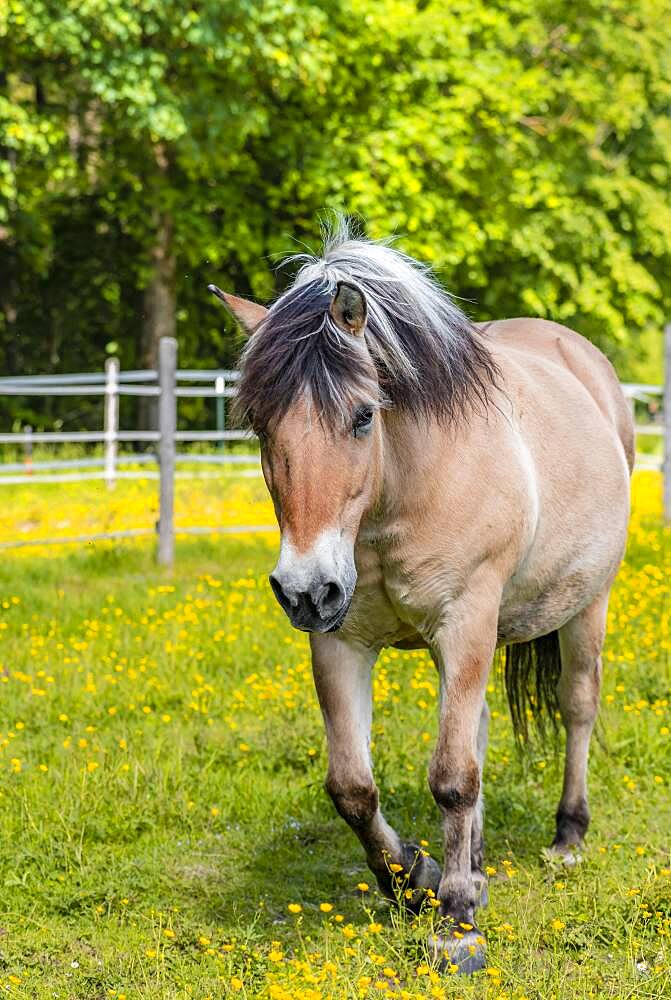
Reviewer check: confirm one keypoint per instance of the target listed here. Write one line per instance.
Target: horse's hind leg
(580, 642)
(342, 674)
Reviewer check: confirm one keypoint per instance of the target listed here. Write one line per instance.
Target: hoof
(408, 886)
(568, 855)
(481, 886)
(464, 954)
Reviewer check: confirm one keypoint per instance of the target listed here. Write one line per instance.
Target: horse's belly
(524, 620)
(528, 610)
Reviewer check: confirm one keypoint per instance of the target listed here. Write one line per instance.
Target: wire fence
(651, 409)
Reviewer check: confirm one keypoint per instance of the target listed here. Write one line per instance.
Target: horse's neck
(411, 455)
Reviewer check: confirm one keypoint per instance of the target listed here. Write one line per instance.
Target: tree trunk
(8, 264)
(160, 319)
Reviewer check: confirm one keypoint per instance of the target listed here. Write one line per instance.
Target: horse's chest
(376, 619)
(388, 608)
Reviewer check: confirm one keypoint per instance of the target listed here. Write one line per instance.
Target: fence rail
(220, 384)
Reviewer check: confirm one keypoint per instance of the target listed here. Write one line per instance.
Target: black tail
(531, 674)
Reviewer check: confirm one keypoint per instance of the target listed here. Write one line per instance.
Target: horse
(445, 485)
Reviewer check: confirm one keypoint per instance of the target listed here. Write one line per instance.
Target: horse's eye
(363, 421)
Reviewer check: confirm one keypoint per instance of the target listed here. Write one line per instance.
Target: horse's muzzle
(322, 608)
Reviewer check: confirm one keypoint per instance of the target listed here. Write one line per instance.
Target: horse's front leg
(463, 651)
(477, 826)
(342, 673)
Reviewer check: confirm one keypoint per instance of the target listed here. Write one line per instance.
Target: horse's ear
(348, 308)
(248, 314)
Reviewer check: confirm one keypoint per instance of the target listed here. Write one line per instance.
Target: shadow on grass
(311, 857)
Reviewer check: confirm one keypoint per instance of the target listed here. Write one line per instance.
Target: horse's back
(571, 356)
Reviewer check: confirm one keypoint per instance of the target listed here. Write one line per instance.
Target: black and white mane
(419, 353)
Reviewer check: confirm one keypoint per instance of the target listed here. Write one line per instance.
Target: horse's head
(363, 326)
(320, 467)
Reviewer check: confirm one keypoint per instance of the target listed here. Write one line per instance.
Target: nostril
(283, 599)
(304, 606)
(331, 598)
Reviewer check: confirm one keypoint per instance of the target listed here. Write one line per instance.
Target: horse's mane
(427, 357)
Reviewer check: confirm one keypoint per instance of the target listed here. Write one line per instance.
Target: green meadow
(164, 832)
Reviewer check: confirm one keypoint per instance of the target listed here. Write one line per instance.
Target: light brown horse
(444, 486)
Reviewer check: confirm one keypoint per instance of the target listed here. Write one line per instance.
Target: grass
(163, 828)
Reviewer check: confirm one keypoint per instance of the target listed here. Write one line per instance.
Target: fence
(164, 385)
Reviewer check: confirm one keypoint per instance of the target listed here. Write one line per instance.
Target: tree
(150, 146)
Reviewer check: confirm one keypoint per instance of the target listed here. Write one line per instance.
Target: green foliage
(523, 148)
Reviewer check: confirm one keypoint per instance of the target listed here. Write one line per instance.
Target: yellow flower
(275, 955)
(326, 907)
(294, 907)
(558, 925)
(363, 886)
(236, 984)
(395, 868)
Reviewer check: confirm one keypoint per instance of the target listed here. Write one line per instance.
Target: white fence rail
(164, 385)
(110, 385)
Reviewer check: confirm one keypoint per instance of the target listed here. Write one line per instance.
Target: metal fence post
(666, 462)
(28, 450)
(167, 425)
(111, 426)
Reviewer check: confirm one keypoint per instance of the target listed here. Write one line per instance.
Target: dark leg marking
(571, 826)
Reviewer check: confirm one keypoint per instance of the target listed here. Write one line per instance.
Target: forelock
(419, 351)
